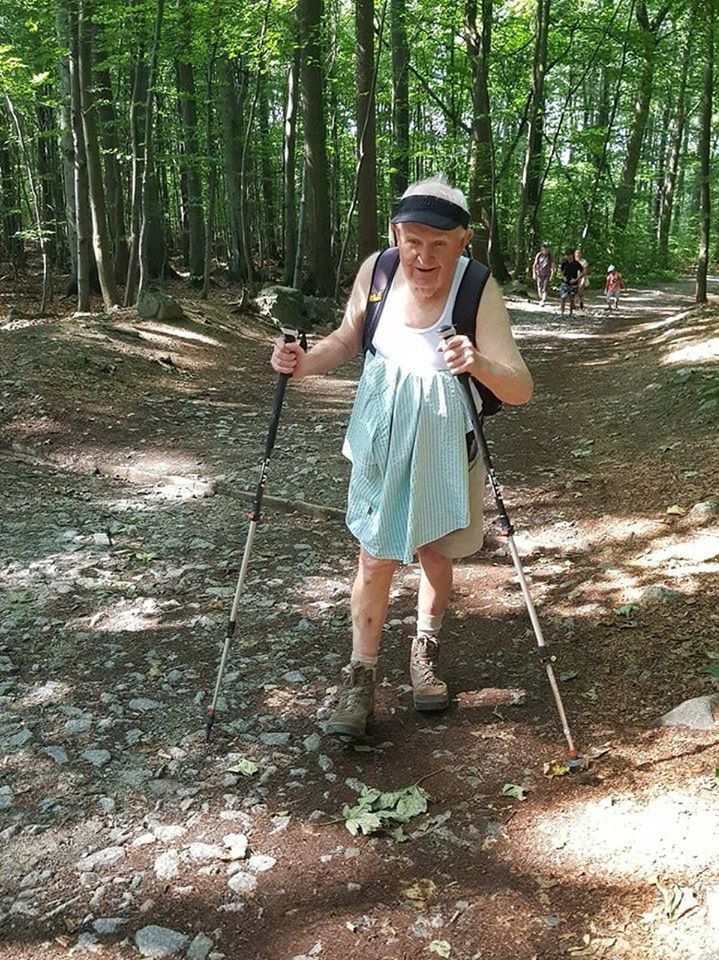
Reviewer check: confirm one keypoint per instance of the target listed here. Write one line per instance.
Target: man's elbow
(521, 391)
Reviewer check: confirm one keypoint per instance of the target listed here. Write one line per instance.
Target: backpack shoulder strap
(464, 319)
(383, 272)
(468, 296)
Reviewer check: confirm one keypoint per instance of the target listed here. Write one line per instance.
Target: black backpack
(463, 316)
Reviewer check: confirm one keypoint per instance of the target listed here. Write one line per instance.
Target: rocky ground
(128, 449)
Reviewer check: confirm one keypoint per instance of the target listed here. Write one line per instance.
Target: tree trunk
(649, 41)
(10, 207)
(666, 204)
(211, 177)
(290, 191)
(100, 235)
(193, 162)
(139, 93)
(366, 130)
(147, 187)
(399, 167)
(35, 200)
(705, 145)
(232, 97)
(83, 229)
(66, 145)
(267, 179)
(114, 176)
(486, 246)
(527, 219)
(320, 254)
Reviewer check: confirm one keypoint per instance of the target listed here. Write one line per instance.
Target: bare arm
(495, 361)
(338, 347)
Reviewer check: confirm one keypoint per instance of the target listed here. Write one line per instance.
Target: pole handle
(291, 335)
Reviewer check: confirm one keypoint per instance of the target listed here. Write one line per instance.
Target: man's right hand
(287, 358)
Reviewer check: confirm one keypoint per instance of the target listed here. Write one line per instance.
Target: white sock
(363, 659)
(429, 624)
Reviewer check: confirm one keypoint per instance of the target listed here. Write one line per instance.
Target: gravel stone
(108, 926)
(205, 851)
(156, 942)
(275, 739)
(243, 883)
(167, 865)
(237, 844)
(77, 725)
(100, 858)
(143, 704)
(58, 754)
(699, 713)
(98, 758)
(200, 947)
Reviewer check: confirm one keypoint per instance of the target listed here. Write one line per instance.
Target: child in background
(614, 283)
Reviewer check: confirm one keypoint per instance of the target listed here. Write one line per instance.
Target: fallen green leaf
(569, 675)
(246, 767)
(441, 948)
(581, 452)
(626, 610)
(377, 809)
(515, 790)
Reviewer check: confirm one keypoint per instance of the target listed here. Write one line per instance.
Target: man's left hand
(459, 353)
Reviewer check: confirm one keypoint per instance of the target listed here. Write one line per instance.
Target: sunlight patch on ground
(702, 351)
(40, 694)
(618, 581)
(633, 837)
(128, 616)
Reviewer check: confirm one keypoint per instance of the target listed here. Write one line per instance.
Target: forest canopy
(271, 140)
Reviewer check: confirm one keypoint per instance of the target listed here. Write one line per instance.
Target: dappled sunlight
(701, 351)
(43, 693)
(631, 835)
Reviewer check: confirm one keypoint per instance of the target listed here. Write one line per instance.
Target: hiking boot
(349, 718)
(428, 691)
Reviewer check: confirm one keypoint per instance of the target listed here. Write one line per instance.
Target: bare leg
(370, 601)
(435, 582)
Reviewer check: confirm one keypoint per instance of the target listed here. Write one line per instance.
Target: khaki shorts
(467, 540)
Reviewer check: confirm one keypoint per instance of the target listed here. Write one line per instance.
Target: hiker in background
(543, 268)
(612, 287)
(415, 488)
(584, 278)
(571, 271)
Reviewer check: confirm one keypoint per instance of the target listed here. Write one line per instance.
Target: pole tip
(208, 724)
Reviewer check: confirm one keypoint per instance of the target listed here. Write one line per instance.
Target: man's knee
(373, 567)
(431, 559)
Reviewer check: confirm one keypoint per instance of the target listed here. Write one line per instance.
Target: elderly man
(414, 488)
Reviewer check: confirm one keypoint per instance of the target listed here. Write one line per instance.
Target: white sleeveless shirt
(415, 351)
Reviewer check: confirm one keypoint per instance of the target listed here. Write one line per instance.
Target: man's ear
(392, 235)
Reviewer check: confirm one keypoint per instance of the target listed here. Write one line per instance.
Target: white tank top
(415, 350)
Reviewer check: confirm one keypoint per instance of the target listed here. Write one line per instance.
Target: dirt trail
(115, 817)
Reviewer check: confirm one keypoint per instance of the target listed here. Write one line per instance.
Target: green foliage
(595, 59)
(379, 810)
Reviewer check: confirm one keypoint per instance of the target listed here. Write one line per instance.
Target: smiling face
(429, 256)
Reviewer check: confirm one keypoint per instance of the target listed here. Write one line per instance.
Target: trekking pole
(574, 761)
(254, 516)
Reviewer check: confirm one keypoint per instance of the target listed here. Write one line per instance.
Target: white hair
(438, 186)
